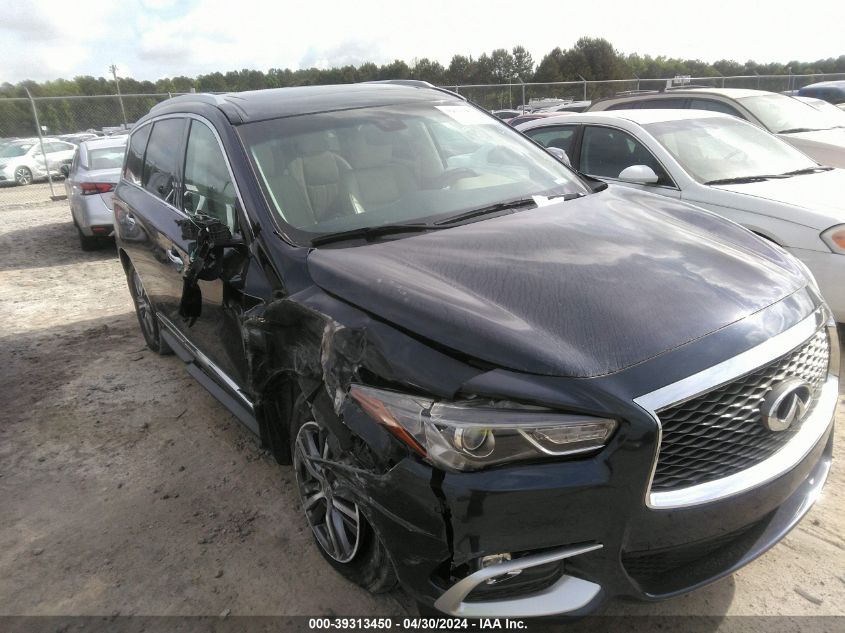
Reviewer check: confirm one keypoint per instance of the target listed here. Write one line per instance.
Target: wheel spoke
(330, 528)
(339, 530)
(314, 498)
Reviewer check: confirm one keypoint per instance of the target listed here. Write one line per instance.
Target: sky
(152, 39)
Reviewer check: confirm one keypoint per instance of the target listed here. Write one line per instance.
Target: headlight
(834, 237)
(470, 436)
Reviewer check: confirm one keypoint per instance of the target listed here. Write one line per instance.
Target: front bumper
(588, 522)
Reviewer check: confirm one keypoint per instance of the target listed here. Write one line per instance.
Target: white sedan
(722, 164)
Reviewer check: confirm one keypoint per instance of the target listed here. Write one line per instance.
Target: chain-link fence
(532, 94)
(39, 135)
(46, 128)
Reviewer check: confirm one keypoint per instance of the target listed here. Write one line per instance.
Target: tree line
(589, 58)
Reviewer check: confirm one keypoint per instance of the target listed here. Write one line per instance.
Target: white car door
(607, 150)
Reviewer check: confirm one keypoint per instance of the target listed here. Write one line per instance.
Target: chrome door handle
(173, 256)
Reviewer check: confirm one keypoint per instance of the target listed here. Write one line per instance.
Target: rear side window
(208, 188)
(714, 106)
(560, 137)
(135, 156)
(161, 164)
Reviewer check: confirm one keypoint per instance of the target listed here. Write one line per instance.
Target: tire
(146, 314)
(365, 560)
(88, 242)
(23, 176)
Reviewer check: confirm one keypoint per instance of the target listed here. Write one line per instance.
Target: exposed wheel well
(275, 414)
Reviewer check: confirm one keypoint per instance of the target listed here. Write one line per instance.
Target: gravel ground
(126, 488)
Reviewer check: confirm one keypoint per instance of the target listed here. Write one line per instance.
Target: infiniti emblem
(786, 404)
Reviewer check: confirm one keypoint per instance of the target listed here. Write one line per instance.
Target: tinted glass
(717, 147)
(135, 156)
(560, 137)
(714, 106)
(605, 152)
(161, 163)
(371, 166)
(208, 189)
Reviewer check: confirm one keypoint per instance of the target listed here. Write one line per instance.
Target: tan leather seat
(321, 176)
(376, 178)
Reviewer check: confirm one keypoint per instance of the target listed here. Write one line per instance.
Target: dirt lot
(125, 488)
(36, 193)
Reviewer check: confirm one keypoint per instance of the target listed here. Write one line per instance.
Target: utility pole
(113, 69)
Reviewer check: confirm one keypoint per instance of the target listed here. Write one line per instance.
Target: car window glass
(660, 104)
(715, 148)
(558, 136)
(135, 156)
(208, 189)
(105, 157)
(75, 163)
(714, 106)
(162, 160)
(606, 152)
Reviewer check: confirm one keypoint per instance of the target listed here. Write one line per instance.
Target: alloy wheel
(334, 518)
(143, 304)
(23, 176)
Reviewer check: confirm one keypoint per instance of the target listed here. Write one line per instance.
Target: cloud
(351, 52)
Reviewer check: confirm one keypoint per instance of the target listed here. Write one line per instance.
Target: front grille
(719, 433)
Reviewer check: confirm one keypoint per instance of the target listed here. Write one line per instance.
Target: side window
(714, 106)
(560, 137)
(74, 165)
(658, 104)
(134, 166)
(208, 188)
(605, 152)
(161, 164)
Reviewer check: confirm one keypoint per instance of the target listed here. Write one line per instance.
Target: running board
(236, 408)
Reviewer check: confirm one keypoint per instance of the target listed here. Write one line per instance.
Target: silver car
(22, 160)
(93, 175)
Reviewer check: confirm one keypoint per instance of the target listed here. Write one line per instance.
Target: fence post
(41, 142)
(585, 86)
(523, 96)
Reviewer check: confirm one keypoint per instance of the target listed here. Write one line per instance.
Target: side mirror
(639, 175)
(560, 154)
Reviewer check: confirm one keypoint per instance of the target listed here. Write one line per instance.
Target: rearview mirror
(560, 154)
(639, 175)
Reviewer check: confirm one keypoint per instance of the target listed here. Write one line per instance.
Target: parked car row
(722, 164)
(512, 387)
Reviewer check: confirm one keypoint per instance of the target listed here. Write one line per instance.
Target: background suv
(797, 123)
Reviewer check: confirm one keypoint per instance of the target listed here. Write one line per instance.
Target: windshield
(375, 166)
(106, 157)
(716, 148)
(782, 114)
(13, 149)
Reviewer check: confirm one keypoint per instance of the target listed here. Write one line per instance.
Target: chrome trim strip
(786, 458)
(207, 363)
(567, 594)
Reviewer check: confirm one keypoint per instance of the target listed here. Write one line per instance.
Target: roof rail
(193, 97)
(645, 91)
(687, 86)
(416, 83)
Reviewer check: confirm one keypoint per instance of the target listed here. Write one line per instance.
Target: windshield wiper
(796, 130)
(503, 206)
(369, 232)
(806, 170)
(743, 179)
(491, 208)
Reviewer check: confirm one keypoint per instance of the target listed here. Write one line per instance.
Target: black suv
(509, 388)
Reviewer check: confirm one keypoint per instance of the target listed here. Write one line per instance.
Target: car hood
(826, 146)
(580, 288)
(814, 200)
